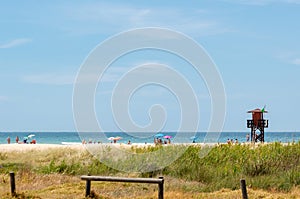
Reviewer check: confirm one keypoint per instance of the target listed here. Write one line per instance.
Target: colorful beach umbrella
(159, 135)
(168, 136)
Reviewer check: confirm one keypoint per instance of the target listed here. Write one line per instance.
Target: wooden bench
(159, 181)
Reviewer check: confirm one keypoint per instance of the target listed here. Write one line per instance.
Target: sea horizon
(55, 137)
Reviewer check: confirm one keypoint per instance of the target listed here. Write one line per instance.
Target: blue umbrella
(193, 138)
(159, 135)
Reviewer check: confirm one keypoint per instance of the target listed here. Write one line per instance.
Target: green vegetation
(270, 167)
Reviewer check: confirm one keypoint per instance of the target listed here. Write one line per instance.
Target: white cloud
(15, 42)
(287, 1)
(290, 57)
(263, 2)
(113, 74)
(51, 79)
(293, 1)
(296, 61)
(105, 17)
(253, 2)
(100, 17)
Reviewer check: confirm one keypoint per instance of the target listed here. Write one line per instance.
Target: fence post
(88, 187)
(161, 188)
(12, 183)
(244, 189)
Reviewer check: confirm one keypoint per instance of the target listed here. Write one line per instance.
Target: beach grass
(270, 170)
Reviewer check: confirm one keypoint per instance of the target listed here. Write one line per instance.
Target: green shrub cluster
(94, 167)
(269, 166)
(266, 166)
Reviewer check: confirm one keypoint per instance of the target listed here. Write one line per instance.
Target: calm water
(59, 137)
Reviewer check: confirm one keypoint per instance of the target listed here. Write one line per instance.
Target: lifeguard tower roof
(257, 111)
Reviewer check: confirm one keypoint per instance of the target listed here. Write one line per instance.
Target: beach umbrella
(30, 136)
(193, 138)
(111, 138)
(167, 136)
(117, 138)
(114, 138)
(159, 135)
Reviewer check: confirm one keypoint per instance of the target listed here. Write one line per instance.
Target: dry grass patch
(55, 173)
(56, 186)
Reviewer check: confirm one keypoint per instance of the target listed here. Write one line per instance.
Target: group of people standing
(20, 142)
(8, 140)
(160, 141)
(231, 141)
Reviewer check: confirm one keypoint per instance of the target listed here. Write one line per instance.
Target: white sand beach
(25, 147)
(78, 146)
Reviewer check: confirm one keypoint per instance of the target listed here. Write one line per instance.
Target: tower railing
(260, 123)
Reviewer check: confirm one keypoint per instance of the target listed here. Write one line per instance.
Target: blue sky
(254, 43)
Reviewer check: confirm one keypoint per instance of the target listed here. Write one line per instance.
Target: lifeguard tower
(257, 125)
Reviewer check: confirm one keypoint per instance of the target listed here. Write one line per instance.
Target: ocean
(59, 137)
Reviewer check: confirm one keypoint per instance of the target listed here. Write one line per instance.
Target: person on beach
(129, 142)
(247, 137)
(228, 141)
(17, 139)
(160, 141)
(33, 141)
(8, 140)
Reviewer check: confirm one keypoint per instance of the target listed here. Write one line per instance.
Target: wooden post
(161, 188)
(12, 184)
(244, 189)
(88, 188)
